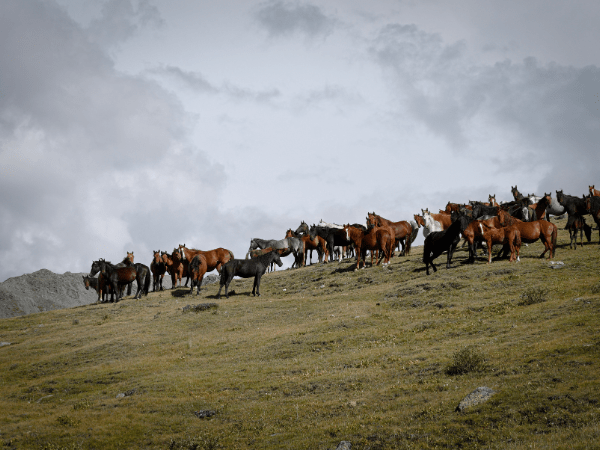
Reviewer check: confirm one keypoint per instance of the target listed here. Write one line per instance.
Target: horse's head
(95, 267)
(86, 282)
(592, 188)
(157, 257)
(289, 233)
(276, 258)
(302, 229)
(130, 257)
(419, 220)
(492, 200)
(560, 197)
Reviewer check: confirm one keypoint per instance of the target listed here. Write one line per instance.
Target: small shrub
(596, 289)
(466, 360)
(533, 296)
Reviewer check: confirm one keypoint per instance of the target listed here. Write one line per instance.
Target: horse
(473, 236)
(375, 238)
(505, 235)
(158, 269)
(116, 277)
(313, 240)
(577, 222)
(310, 241)
(403, 231)
(437, 242)
(594, 192)
(197, 269)
(592, 203)
(263, 251)
(532, 231)
(290, 245)
(214, 258)
(176, 267)
(429, 224)
(246, 268)
(554, 208)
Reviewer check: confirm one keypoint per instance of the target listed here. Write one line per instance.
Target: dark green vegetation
(380, 357)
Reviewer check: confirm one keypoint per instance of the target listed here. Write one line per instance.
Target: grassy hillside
(380, 357)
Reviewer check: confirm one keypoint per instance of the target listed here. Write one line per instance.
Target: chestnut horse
(594, 192)
(214, 258)
(403, 230)
(158, 269)
(176, 267)
(375, 238)
(472, 234)
(197, 270)
(506, 235)
(532, 231)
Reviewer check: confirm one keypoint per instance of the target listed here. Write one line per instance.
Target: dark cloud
(286, 18)
(545, 111)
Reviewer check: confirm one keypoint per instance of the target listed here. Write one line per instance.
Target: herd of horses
(526, 219)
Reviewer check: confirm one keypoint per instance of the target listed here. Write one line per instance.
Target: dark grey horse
(246, 268)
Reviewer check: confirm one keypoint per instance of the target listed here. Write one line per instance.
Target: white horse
(430, 223)
(330, 225)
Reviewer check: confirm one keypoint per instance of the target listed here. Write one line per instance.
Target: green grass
(380, 357)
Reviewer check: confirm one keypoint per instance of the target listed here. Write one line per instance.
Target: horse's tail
(147, 282)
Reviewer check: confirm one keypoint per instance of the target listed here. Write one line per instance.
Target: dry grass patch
(380, 357)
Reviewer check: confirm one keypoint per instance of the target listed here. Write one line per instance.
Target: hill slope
(380, 357)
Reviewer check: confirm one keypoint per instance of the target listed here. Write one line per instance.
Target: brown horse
(214, 258)
(532, 231)
(158, 269)
(98, 284)
(492, 200)
(375, 238)
(197, 270)
(594, 192)
(419, 219)
(311, 243)
(505, 235)
(175, 266)
(473, 234)
(402, 230)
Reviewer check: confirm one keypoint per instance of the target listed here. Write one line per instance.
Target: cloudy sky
(142, 124)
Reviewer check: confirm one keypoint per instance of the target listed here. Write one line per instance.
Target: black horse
(246, 268)
(437, 242)
(118, 277)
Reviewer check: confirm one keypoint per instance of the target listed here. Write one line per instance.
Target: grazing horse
(246, 268)
(532, 231)
(505, 235)
(197, 270)
(403, 230)
(375, 238)
(158, 269)
(214, 258)
(437, 242)
(574, 223)
(116, 277)
(594, 192)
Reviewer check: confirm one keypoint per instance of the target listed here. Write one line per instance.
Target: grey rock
(204, 413)
(43, 291)
(200, 307)
(2, 344)
(344, 445)
(477, 397)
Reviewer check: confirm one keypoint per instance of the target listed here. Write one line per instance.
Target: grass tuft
(467, 360)
(532, 296)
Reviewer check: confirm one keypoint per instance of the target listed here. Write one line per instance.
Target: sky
(138, 125)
